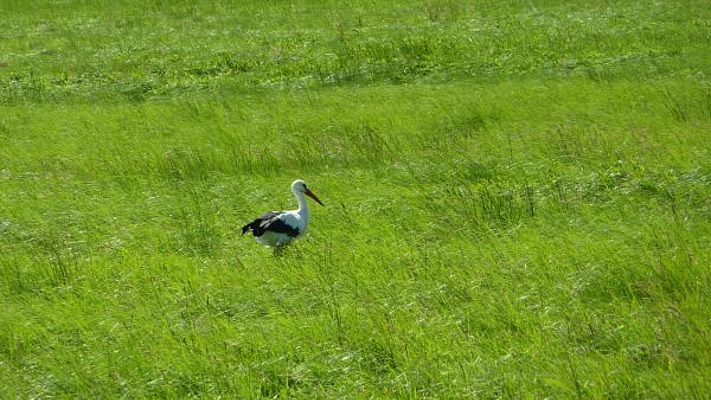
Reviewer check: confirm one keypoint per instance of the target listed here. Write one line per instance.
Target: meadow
(517, 199)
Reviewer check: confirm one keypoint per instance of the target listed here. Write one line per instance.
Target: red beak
(313, 196)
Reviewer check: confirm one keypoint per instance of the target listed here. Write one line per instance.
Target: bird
(278, 228)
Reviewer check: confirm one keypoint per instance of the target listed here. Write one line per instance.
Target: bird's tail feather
(246, 228)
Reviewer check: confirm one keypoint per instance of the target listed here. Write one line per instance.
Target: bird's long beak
(313, 196)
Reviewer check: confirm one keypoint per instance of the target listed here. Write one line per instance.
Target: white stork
(275, 228)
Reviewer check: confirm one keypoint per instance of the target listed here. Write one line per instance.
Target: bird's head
(299, 186)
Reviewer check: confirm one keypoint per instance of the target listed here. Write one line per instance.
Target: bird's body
(276, 229)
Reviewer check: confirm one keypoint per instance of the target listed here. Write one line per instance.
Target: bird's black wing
(270, 222)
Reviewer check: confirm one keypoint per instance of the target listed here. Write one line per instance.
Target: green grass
(517, 199)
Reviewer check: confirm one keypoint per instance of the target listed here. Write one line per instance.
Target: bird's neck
(303, 207)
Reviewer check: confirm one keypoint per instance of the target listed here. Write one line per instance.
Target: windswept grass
(133, 51)
(517, 199)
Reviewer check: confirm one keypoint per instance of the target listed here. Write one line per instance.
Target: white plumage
(275, 228)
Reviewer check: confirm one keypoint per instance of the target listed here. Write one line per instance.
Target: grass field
(518, 199)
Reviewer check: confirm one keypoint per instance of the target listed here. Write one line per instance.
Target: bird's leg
(279, 251)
